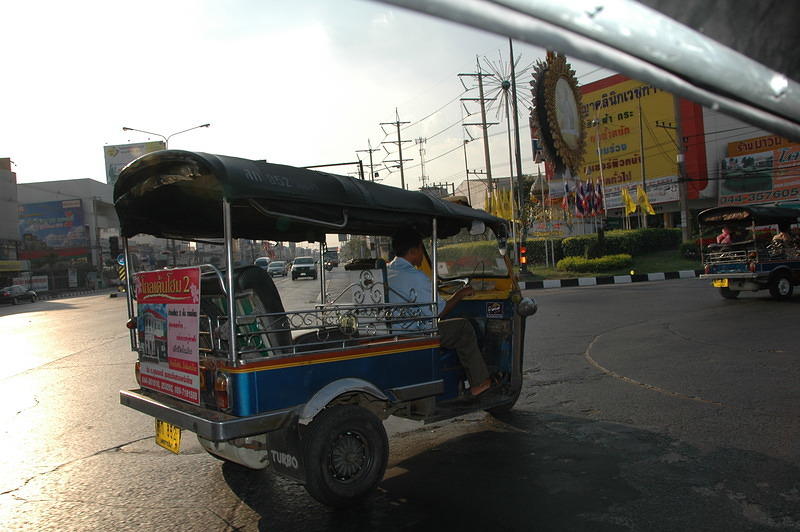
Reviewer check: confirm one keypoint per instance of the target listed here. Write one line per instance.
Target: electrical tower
(421, 143)
(484, 125)
(399, 143)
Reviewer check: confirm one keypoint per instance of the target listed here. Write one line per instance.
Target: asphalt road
(653, 406)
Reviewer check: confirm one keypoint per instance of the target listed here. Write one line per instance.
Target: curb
(609, 279)
(44, 296)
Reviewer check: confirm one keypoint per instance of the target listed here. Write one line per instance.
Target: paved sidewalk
(607, 279)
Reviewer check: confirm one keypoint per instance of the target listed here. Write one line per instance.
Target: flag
(589, 204)
(580, 200)
(627, 202)
(643, 201)
(598, 199)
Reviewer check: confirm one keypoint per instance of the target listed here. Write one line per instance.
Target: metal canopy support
(129, 287)
(643, 44)
(226, 215)
(322, 295)
(434, 274)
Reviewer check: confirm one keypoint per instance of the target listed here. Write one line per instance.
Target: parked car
(16, 293)
(304, 267)
(276, 268)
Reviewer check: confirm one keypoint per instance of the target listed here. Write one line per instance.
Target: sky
(300, 83)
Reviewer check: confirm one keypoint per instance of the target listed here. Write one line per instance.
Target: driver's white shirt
(407, 284)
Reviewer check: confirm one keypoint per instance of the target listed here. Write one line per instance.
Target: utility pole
(641, 164)
(484, 125)
(683, 184)
(421, 143)
(371, 166)
(466, 169)
(399, 143)
(523, 233)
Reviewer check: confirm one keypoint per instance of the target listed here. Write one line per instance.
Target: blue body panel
(270, 389)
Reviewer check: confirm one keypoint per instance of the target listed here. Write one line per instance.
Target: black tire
(780, 287)
(727, 293)
(345, 453)
(294, 277)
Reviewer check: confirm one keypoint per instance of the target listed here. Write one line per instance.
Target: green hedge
(632, 242)
(536, 254)
(603, 264)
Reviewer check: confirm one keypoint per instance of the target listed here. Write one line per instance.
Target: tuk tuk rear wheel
(727, 293)
(345, 453)
(780, 287)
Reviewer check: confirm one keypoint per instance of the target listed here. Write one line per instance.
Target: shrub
(536, 253)
(633, 242)
(602, 264)
(690, 250)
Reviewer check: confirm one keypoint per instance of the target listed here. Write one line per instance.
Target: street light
(166, 139)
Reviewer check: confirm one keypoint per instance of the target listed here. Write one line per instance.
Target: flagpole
(641, 162)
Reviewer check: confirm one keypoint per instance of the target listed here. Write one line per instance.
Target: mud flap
(285, 452)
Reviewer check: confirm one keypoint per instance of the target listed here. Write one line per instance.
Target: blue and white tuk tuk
(304, 391)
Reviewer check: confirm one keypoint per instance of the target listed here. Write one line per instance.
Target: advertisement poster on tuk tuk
(168, 327)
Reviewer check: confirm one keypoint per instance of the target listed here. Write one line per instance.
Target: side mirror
(477, 228)
(527, 307)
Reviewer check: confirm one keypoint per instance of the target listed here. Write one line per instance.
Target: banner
(621, 117)
(53, 227)
(118, 157)
(764, 177)
(168, 327)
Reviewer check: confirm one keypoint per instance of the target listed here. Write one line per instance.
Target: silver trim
(267, 212)
(418, 391)
(209, 424)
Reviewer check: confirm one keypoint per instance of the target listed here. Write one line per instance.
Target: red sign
(168, 325)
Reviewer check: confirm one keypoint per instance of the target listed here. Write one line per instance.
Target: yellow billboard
(631, 133)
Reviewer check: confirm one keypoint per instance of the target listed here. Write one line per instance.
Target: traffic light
(523, 258)
(113, 246)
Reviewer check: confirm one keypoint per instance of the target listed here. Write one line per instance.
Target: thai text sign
(765, 177)
(620, 117)
(168, 327)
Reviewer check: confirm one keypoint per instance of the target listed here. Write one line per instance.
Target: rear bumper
(750, 276)
(210, 424)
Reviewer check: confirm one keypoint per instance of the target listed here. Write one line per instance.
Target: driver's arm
(453, 301)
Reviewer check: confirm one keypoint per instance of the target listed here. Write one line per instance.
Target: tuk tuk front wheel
(727, 293)
(781, 286)
(345, 453)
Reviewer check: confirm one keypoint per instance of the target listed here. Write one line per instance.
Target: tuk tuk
(742, 249)
(304, 391)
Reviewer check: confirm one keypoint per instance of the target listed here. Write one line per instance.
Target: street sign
(121, 259)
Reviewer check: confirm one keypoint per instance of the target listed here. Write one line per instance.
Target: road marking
(587, 355)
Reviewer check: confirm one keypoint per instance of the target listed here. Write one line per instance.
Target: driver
(408, 284)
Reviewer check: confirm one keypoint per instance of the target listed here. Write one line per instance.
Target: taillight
(137, 370)
(708, 268)
(131, 323)
(221, 391)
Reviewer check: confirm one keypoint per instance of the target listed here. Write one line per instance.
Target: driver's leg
(458, 334)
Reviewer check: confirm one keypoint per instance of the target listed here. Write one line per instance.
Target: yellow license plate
(168, 436)
(720, 283)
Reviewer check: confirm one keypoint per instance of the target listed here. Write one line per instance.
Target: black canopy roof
(760, 214)
(179, 194)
